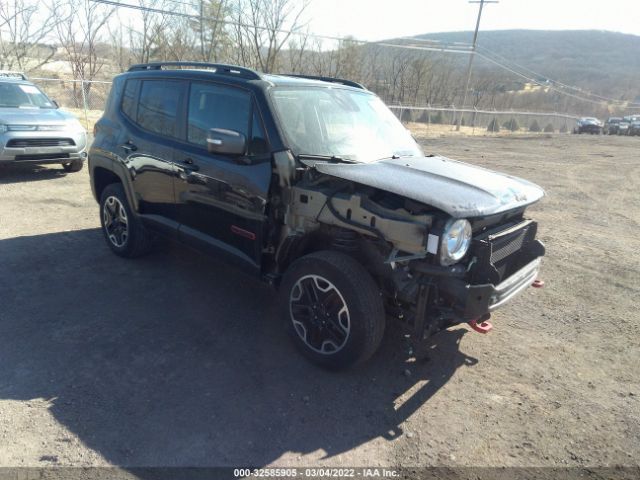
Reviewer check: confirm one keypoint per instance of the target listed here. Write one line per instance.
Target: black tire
(138, 240)
(73, 166)
(352, 285)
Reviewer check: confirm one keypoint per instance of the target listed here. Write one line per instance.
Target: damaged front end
(500, 263)
(400, 239)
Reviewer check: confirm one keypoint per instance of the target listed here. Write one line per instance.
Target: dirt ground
(177, 360)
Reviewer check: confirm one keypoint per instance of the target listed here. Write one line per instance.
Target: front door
(222, 199)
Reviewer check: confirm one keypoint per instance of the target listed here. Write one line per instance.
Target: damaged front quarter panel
(311, 206)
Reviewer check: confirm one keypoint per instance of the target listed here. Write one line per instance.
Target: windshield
(19, 95)
(336, 122)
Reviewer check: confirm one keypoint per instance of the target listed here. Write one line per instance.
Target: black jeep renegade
(315, 186)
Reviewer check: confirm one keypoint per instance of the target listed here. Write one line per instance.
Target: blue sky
(377, 20)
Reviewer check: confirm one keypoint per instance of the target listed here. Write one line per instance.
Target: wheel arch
(103, 177)
(104, 172)
(355, 245)
(298, 245)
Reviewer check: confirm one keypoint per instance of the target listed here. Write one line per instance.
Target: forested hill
(600, 61)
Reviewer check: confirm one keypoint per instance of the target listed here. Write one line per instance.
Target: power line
(455, 47)
(444, 48)
(505, 66)
(562, 92)
(563, 85)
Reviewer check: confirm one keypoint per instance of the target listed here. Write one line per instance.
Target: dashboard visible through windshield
(339, 122)
(19, 95)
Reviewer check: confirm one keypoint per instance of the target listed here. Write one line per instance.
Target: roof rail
(342, 81)
(218, 67)
(9, 73)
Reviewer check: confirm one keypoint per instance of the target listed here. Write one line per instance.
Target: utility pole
(471, 55)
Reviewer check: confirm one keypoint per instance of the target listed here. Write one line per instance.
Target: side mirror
(226, 142)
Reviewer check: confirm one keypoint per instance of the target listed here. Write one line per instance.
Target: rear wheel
(333, 309)
(124, 232)
(73, 166)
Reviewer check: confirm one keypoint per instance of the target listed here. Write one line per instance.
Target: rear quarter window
(129, 99)
(158, 106)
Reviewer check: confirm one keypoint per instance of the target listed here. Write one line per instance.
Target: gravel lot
(177, 360)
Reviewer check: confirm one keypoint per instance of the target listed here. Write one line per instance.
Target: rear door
(222, 199)
(153, 109)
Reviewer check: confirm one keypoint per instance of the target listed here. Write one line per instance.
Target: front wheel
(333, 309)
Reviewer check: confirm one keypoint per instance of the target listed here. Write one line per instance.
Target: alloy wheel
(319, 314)
(116, 223)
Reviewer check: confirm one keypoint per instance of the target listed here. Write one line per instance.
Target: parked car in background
(588, 125)
(611, 125)
(631, 122)
(33, 128)
(623, 126)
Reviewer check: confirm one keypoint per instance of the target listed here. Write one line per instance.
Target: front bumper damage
(475, 301)
(500, 265)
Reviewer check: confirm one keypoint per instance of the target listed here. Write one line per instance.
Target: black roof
(241, 73)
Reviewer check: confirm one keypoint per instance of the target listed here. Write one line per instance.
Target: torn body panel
(311, 207)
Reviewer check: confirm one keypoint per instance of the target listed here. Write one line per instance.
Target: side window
(214, 106)
(129, 98)
(258, 143)
(158, 106)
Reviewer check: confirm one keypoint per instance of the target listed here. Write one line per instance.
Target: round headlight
(456, 239)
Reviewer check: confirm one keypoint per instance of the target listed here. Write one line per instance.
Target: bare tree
(120, 52)
(320, 60)
(144, 35)
(80, 26)
(211, 29)
(25, 25)
(267, 25)
(176, 41)
(298, 52)
(348, 59)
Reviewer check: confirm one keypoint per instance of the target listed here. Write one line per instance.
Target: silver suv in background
(33, 128)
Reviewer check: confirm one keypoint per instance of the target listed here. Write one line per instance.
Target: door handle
(129, 146)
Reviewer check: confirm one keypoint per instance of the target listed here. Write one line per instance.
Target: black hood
(459, 189)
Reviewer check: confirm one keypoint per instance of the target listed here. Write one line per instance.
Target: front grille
(40, 142)
(500, 254)
(43, 156)
(505, 246)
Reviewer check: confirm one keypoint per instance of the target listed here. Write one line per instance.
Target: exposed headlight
(455, 242)
(3, 128)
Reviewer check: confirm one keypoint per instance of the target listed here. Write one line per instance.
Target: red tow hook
(538, 283)
(484, 325)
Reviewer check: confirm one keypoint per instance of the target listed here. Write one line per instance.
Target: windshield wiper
(323, 158)
(393, 157)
